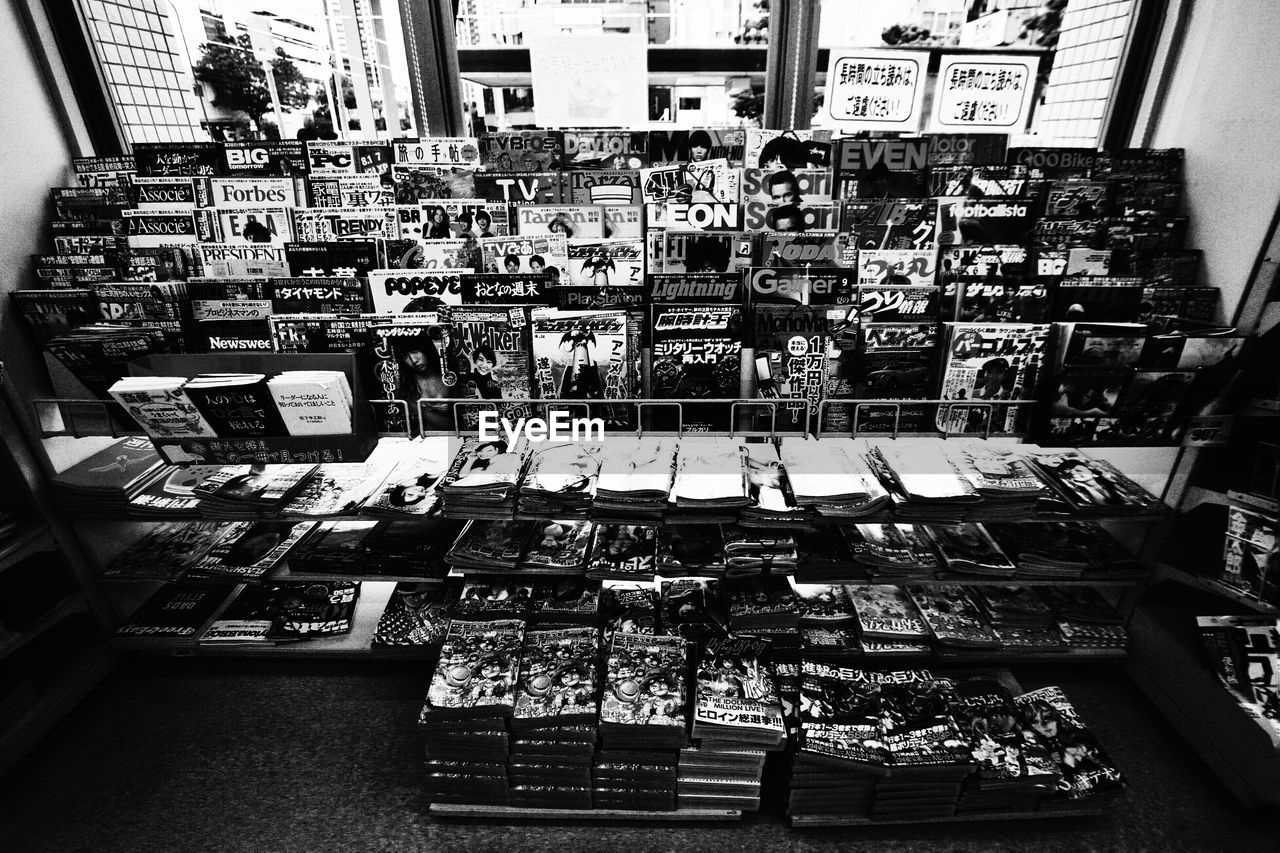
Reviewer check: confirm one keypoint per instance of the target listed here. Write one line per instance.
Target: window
(338, 69)
(1081, 44)
(687, 83)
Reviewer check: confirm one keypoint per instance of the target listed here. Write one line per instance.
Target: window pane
(688, 84)
(196, 58)
(1080, 40)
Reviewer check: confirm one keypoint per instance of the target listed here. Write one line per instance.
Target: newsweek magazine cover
(580, 355)
(991, 362)
(545, 253)
(606, 263)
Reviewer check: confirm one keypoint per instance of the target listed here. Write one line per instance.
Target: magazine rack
(739, 413)
(79, 418)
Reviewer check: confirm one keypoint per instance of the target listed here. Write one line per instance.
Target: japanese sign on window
(993, 92)
(590, 82)
(872, 89)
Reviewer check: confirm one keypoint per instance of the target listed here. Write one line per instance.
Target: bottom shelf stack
(555, 724)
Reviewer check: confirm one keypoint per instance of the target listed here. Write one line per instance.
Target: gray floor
(267, 756)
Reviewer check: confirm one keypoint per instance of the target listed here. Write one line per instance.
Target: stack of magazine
(107, 480)
(469, 703)
(482, 479)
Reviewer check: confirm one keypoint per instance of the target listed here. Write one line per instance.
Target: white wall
(1223, 107)
(34, 156)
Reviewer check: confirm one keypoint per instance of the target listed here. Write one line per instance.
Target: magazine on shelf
(477, 672)
(557, 682)
(840, 718)
(250, 550)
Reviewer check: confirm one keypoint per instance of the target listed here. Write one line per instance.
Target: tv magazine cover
(547, 253)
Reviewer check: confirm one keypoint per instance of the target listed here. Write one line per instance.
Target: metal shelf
(18, 547)
(358, 643)
(479, 812)
(816, 820)
(75, 679)
(72, 604)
